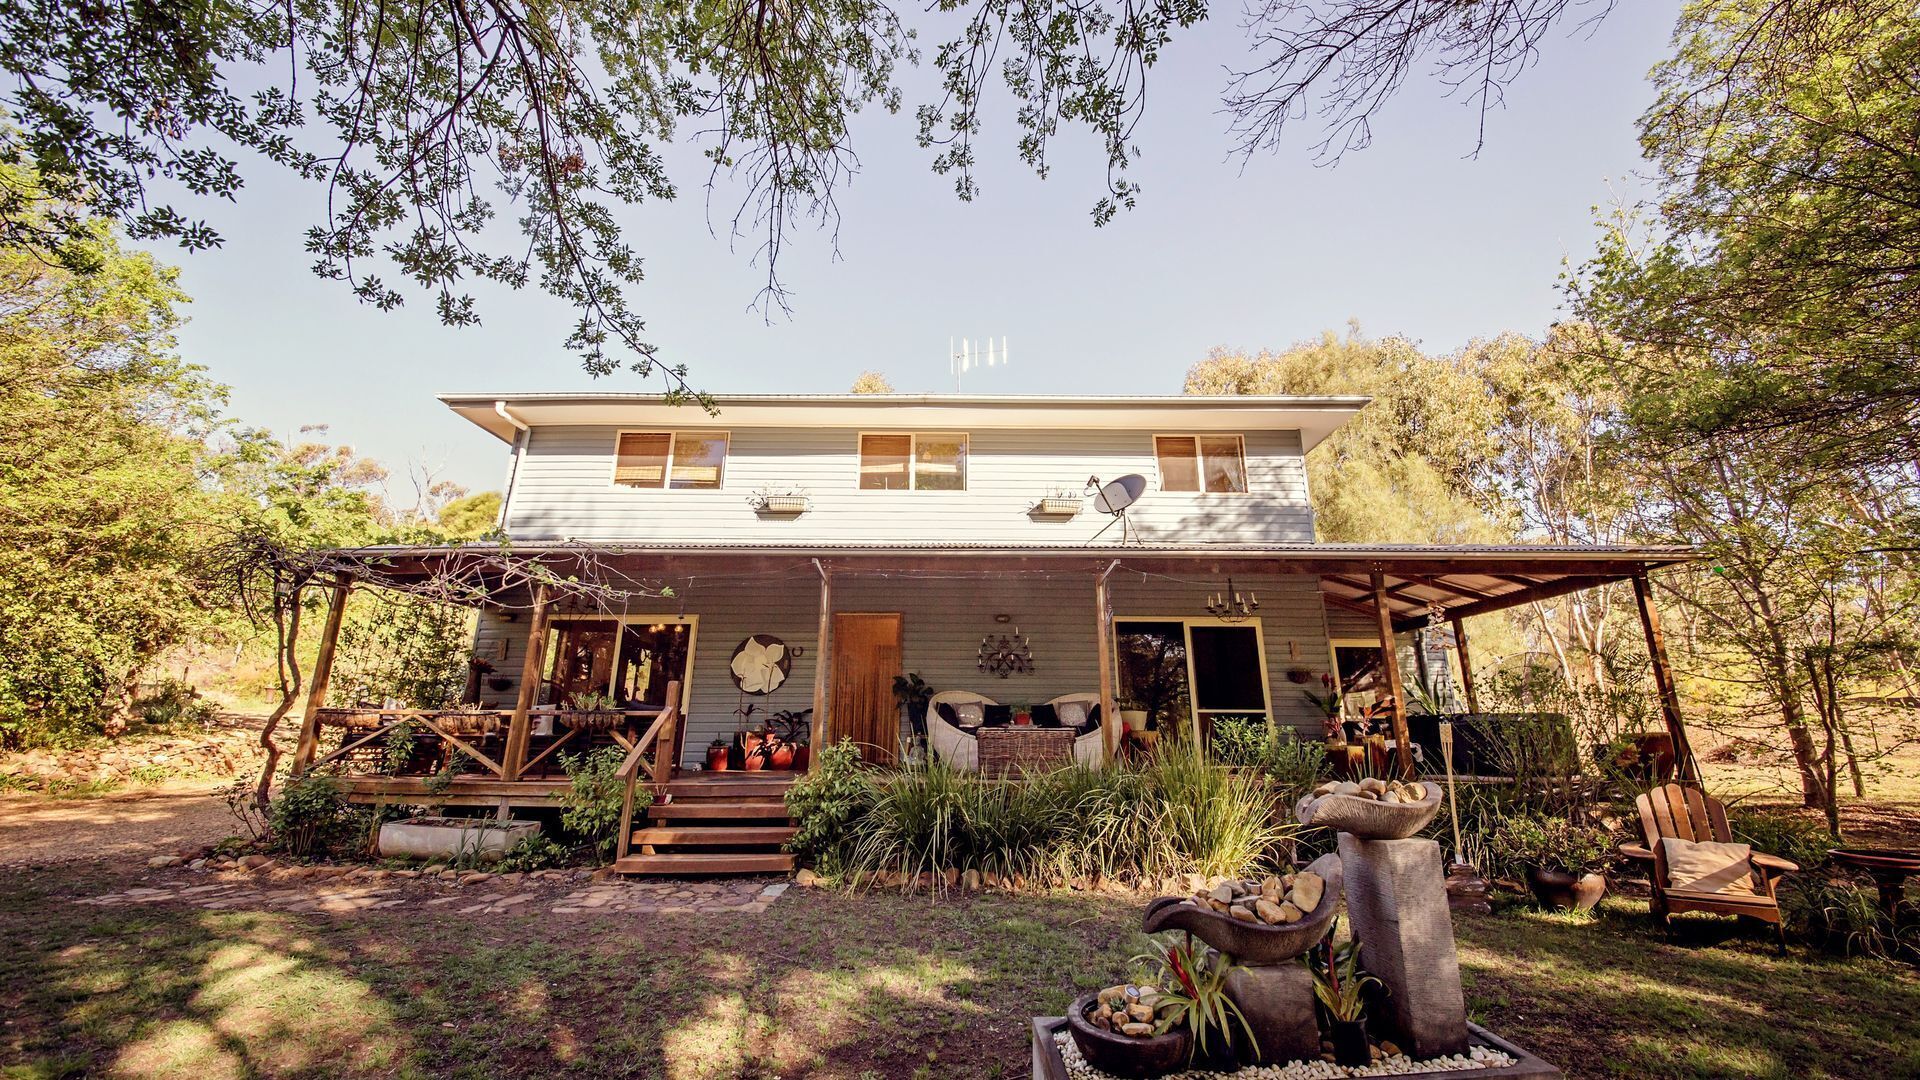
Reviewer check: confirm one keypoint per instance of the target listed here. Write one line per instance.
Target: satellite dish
(1114, 498)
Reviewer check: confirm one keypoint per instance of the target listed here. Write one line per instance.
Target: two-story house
(799, 552)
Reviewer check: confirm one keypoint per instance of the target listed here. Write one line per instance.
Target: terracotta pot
(716, 759)
(780, 757)
(1124, 1055)
(1350, 1043)
(1565, 892)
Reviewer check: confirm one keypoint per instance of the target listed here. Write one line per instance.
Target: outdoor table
(1890, 870)
(1010, 748)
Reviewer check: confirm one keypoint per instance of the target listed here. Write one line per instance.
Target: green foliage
(1793, 838)
(1194, 979)
(405, 649)
(309, 817)
(1840, 916)
(470, 517)
(174, 703)
(824, 803)
(1338, 980)
(1293, 766)
(536, 852)
(397, 747)
(1549, 843)
(590, 806)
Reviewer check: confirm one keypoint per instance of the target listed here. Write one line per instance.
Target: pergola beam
(1663, 679)
(1390, 660)
(309, 745)
(520, 727)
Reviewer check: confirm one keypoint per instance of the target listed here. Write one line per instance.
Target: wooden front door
(866, 657)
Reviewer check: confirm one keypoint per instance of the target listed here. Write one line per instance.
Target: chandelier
(1006, 654)
(1231, 606)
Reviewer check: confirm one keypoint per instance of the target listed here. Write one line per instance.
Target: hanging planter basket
(468, 724)
(350, 719)
(598, 721)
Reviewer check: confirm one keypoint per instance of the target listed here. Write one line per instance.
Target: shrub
(536, 852)
(171, 702)
(824, 804)
(590, 806)
(1836, 915)
(1802, 840)
(1551, 844)
(310, 817)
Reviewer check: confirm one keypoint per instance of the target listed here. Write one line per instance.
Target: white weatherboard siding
(563, 490)
(944, 616)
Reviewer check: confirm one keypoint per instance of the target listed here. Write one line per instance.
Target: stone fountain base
(1050, 1064)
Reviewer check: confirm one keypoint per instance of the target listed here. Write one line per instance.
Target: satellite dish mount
(1113, 499)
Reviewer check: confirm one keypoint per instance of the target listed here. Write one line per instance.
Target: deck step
(705, 863)
(728, 789)
(716, 836)
(720, 809)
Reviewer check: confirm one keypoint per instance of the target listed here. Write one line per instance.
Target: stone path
(346, 891)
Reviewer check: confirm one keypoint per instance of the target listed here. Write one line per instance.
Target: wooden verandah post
(1103, 639)
(1390, 660)
(309, 746)
(1663, 679)
(1466, 665)
(520, 727)
(819, 736)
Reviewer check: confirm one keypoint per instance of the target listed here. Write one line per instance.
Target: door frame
(620, 638)
(1187, 623)
(832, 656)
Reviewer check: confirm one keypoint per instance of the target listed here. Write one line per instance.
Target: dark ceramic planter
(1350, 1043)
(1559, 891)
(1123, 1055)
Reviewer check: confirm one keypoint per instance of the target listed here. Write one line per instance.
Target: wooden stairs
(714, 823)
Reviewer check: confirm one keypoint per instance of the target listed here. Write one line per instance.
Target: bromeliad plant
(1337, 979)
(1193, 979)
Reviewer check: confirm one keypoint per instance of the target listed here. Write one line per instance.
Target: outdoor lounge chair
(949, 743)
(1089, 749)
(1688, 815)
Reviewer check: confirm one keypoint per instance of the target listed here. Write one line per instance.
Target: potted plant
(1564, 862)
(717, 756)
(1059, 502)
(1193, 980)
(1340, 986)
(1132, 714)
(1022, 713)
(911, 691)
(592, 712)
(787, 739)
(779, 500)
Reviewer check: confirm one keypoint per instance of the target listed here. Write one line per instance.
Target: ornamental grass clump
(1211, 821)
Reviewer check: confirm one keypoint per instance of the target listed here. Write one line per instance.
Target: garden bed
(1056, 1058)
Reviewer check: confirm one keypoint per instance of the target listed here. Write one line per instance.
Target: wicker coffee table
(1014, 748)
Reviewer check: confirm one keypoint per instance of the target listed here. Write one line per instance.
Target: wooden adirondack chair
(1690, 814)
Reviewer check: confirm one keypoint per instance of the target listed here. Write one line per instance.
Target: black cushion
(948, 713)
(1092, 722)
(997, 716)
(1046, 716)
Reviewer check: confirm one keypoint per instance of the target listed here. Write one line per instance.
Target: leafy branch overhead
(428, 124)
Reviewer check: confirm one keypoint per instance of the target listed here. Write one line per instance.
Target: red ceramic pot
(780, 756)
(802, 754)
(716, 759)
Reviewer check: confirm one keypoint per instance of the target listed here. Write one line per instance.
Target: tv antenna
(1113, 499)
(968, 354)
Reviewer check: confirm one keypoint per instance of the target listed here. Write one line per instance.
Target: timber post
(1663, 679)
(520, 727)
(1103, 638)
(818, 738)
(1390, 660)
(1466, 665)
(303, 754)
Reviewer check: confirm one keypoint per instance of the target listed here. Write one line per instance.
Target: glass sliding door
(1188, 674)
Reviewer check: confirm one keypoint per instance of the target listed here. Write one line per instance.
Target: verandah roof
(1459, 580)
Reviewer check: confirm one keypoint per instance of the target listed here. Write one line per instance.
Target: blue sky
(1410, 236)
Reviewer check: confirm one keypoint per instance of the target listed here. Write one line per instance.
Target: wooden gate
(866, 657)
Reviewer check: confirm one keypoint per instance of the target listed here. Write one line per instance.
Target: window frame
(1199, 461)
(1187, 623)
(621, 622)
(673, 447)
(913, 449)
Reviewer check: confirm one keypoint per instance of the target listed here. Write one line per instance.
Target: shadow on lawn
(1613, 997)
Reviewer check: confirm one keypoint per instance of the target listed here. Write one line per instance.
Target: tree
(1769, 287)
(102, 504)
(871, 382)
(471, 516)
(1401, 471)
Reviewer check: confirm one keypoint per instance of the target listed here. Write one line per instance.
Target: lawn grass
(825, 985)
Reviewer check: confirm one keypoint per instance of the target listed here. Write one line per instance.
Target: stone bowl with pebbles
(1268, 921)
(1118, 1030)
(1372, 809)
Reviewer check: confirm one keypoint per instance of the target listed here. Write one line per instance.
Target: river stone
(1307, 891)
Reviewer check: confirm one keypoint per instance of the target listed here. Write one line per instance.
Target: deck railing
(660, 739)
(460, 730)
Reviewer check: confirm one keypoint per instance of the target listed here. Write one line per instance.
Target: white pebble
(1477, 1057)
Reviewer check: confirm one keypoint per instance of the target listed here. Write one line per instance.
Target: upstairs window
(923, 461)
(1215, 463)
(682, 460)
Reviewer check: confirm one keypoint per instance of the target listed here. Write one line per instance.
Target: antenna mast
(968, 355)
